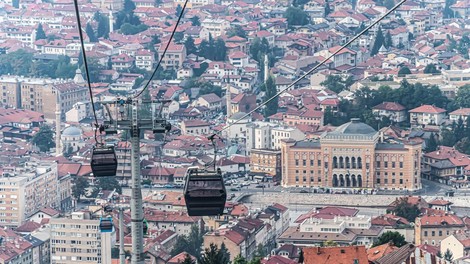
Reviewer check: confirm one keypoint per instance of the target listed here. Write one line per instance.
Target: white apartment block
(216, 27)
(23, 191)
(79, 240)
(280, 133)
(264, 135)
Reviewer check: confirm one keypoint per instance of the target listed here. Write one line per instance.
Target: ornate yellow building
(352, 156)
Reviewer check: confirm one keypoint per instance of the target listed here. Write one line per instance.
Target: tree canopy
(40, 34)
(404, 71)
(214, 255)
(271, 90)
(43, 139)
(406, 210)
(195, 21)
(390, 236)
(337, 83)
(191, 244)
(431, 68)
(80, 184)
(378, 42)
(296, 16)
(109, 184)
(462, 99)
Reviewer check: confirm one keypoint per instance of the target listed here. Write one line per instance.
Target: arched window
(353, 162)
(335, 162)
(341, 162)
(359, 163)
(348, 164)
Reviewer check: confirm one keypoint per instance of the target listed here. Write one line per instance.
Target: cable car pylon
(134, 125)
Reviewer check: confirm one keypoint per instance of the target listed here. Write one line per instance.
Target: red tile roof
(428, 109)
(180, 258)
(389, 106)
(278, 260)
(440, 202)
(440, 220)
(461, 111)
(380, 251)
(337, 255)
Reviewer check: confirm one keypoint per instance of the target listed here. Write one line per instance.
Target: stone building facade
(352, 156)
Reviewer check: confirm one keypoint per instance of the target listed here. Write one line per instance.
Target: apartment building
(144, 59)
(193, 3)
(394, 111)
(266, 162)
(174, 57)
(216, 26)
(24, 191)
(352, 156)
(433, 228)
(427, 115)
(462, 113)
(264, 135)
(10, 92)
(344, 230)
(79, 240)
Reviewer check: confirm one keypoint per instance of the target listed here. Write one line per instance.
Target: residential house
(266, 162)
(174, 57)
(178, 222)
(433, 228)
(287, 252)
(342, 230)
(211, 101)
(165, 201)
(458, 244)
(345, 59)
(194, 127)
(144, 59)
(340, 255)
(216, 27)
(462, 113)
(462, 8)
(395, 223)
(440, 204)
(238, 59)
(394, 111)
(445, 165)
(122, 62)
(427, 115)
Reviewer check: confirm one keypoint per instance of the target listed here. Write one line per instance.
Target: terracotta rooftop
(389, 106)
(377, 252)
(337, 255)
(427, 109)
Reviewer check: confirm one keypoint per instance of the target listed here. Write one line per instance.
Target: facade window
(440, 232)
(296, 162)
(393, 164)
(296, 178)
(385, 181)
(425, 233)
(304, 163)
(319, 179)
(385, 164)
(401, 164)
(319, 163)
(433, 233)
(377, 164)
(393, 181)
(401, 181)
(311, 162)
(378, 180)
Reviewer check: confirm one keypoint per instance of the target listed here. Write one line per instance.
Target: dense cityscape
(330, 152)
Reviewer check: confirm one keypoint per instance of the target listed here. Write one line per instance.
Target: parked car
(169, 186)
(234, 189)
(260, 186)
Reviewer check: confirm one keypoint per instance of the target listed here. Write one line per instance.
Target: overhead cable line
(82, 44)
(314, 68)
(164, 51)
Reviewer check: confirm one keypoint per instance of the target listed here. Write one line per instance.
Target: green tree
(389, 4)
(378, 42)
(296, 16)
(190, 46)
(103, 26)
(109, 184)
(431, 143)
(15, 3)
(40, 34)
(462, 99)
(188, 260)
(129, 6)
(404, 71)
(271, 90)
(448, 255)
(191, 244)
(195, 21)
(448, 138)
(463, 145)
(204, 49)
(388, 40)
(431, 68)
(236, 30)
(220, 51)
(43, 139)
(91, 33)
(239, 260)
(448, 12)
(179, 9)
(406, 210)
(80, 184)
(208, 88)
(129, 29)
(327, 9)
(213, 255)
(390, 236)
(337, 84)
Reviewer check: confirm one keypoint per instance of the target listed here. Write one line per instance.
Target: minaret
(228, 98)
(111, 21)
(58, 149)
(266, 68)
(78, 79)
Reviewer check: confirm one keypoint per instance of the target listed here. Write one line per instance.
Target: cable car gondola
(204, 192)
(104, 162)
(106, 224)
